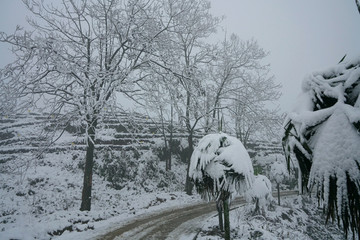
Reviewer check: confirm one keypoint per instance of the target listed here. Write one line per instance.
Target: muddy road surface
(174, 223)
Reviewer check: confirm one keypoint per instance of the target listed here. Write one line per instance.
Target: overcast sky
(301, 36)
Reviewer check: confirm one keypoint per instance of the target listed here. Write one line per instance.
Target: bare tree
(157, 101)
(184, 56)
(254, 120)
(238, 89)
(234, 60)
(77, 56)
(251, 107)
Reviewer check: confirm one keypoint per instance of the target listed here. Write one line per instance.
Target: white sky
(301, 36)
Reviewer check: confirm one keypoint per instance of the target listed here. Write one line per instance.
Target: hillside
(28, 132)
(41, 182)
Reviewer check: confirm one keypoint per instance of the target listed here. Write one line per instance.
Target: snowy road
(179, 223)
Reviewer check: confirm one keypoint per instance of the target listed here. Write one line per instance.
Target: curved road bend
(165, 223)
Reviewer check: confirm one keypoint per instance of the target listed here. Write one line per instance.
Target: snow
(336, 141)
(215, 155)
(336, 151)
(298, 218)
(43, 195)
(332, 82)
(261, 187)
(260, 193)
(278, 171)
(187, 230)
(307, 119)
(326, 131)
(306, 102)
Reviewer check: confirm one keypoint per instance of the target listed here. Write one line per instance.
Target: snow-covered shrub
(220, 166)
(138, 170)
(116, 168)
(220, 163)
(278, 173)
(174, 146)
(152, 175)
(323, 133)
(260, 194)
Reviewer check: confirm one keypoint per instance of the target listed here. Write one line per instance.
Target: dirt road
(171, 224)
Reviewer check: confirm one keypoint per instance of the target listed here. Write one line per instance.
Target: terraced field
(31, 133)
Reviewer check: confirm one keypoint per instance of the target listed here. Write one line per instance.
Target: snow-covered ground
(44, 201)
(40, 194)
(296, 218)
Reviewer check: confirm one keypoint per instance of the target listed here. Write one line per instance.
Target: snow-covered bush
(176, 147)
(220, 166)
(140, 170)
(220, 163)
(150, 174)
(278, 173)
(323, 133)
(116, 168)
(260, 194)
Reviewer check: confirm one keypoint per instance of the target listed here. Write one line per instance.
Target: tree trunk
(278, 190)
(171, 135)
(257, 206)
(220, 214)
(226, 218)
(166, 151)
(188, 184)
(300, 186)
(208, 125)
(89, 162)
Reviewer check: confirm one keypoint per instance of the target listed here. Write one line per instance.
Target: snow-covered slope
(40, 184)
